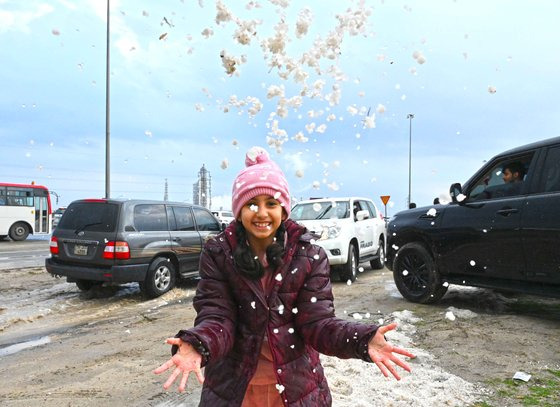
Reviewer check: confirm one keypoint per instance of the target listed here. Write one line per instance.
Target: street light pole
(409, 116)
(107, 117)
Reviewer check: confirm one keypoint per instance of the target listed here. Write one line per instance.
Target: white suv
(225, 217)
(351, 230)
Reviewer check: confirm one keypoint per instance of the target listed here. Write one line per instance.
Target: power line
(89, 180)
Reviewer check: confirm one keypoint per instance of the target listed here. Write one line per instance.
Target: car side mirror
(223, 226)
(361, 215)
(454, 191)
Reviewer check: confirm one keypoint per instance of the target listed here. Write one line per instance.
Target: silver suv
(351, 230)
(113, 241)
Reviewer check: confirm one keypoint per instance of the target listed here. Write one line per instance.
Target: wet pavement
(29, 253)
(60, 346)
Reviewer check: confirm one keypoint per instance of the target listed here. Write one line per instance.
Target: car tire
(349, 270)
(86, 285)
(19, 231)
(379, 263)
(416, 276)
(160, 278)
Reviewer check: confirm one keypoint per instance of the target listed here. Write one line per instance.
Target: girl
(265, 307)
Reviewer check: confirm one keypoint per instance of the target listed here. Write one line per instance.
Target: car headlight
(330, 232)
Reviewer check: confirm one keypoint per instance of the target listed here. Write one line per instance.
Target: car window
(499, 181)
(551, 174)
(183, 218)
(150, 218)
(228, 214)
(372, 209)
(171, 218)
(365, 207)
(205, 221)
(90, 216)
(356, 207)
(320, 210)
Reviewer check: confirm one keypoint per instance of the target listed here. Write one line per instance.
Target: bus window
(20, 197)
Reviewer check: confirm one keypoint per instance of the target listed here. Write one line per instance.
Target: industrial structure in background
(166, 192)
(202, 189)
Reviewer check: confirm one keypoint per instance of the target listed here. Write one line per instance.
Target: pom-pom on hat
(261, 177)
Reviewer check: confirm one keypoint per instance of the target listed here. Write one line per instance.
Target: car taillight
(53, 245)
(116, 250)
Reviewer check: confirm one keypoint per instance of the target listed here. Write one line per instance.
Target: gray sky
(479, 76)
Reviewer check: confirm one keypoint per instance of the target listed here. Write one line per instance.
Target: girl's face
(261, 216)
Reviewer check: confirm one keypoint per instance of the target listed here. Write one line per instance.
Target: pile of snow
(355, 383)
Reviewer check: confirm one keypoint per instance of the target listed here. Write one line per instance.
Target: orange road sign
(385, 199)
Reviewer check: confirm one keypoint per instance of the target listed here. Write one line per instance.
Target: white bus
(24, 209)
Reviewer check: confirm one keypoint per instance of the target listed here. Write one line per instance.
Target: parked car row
(154, 243)
(501, 230)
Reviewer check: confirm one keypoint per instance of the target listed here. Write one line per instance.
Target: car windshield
(91, 216)
(321, 210)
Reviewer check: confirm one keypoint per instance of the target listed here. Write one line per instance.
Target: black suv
(501, 230)
(116, 241)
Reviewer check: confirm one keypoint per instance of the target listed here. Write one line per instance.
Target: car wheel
(415, 275)
(349, 270)
(379, 263)
(160, 278)
(19, 231)
(86, 285)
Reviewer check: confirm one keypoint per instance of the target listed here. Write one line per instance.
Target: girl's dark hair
(244, 257)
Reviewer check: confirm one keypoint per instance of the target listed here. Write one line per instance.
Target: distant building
(202, 189)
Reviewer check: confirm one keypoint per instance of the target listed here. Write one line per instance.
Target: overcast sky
(480, 77)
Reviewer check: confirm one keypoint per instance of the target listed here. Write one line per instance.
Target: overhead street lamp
(107, 117)
(409, 116)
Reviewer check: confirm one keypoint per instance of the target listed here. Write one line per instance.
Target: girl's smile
(261, 225)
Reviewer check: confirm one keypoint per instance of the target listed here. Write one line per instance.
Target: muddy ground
(61, 347)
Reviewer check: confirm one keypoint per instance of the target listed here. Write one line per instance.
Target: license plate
(80, 250)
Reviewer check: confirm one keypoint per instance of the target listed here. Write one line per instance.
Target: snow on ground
(355, 383)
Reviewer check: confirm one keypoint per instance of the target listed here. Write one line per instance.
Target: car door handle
(176, 239)
(507, 212)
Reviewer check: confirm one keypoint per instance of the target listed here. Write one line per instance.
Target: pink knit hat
(261, 177)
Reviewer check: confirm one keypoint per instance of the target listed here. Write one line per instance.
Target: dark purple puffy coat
(298, 318)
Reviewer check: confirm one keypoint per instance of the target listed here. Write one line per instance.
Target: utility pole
(107, 115)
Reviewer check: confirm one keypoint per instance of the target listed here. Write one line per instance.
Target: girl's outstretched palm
(186, 360)
(382, 353)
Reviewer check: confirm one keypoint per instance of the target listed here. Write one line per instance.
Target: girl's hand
(186, 360)
(382, 352)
